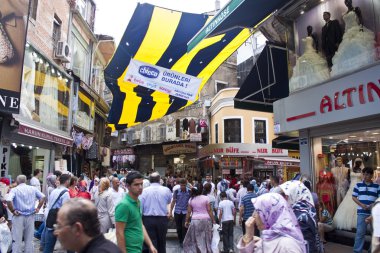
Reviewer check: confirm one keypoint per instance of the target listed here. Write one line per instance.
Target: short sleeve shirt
(128, 211)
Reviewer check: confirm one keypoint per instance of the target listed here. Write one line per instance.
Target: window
(56, 30)
(130, 136)
(219, 85)
(147, 134)
(80, 57)
(260, 131)
(232, 131)
(216, 133)
(33, 9)
(161, 132)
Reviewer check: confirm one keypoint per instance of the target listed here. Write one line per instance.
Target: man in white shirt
(35, 181)
(117, 193)
(226, 216)
(209, 180)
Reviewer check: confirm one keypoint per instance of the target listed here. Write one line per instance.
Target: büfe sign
(241, 149)
(162, 79)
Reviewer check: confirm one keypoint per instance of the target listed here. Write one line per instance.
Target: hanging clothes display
(185, 124)
(192, 126)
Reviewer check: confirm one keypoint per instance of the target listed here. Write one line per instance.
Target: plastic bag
(6, 237)
(111, 235)
(215, 239)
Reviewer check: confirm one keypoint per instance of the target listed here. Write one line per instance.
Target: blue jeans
(50, 240)
(361, 229)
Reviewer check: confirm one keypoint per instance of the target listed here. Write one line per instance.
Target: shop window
(232, 131)
(260, 131)
(147, 134)
(216, 133)
(45, 92)
(56, 30)
(220, 85)
(338, 162)
(33, 9)
(161, 132)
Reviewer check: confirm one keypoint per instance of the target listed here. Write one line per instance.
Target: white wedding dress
(345, 216)
(310, 68)
(357, 48)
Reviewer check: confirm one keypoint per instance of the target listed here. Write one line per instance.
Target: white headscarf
(296, 191)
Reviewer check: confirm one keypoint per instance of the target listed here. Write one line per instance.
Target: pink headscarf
(278, 218)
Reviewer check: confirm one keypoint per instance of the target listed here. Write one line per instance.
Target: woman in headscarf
(82, 190)
(263, 188)
(301, 201)
(51, 182)
(254, 184)
(280, 231)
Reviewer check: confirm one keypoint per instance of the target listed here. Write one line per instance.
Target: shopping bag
(111, 235)
(215, 239)
(5, 237)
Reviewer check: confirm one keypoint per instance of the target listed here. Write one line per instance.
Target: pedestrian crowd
(127, 212)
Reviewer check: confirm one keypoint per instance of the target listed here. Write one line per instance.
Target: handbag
(52, 214)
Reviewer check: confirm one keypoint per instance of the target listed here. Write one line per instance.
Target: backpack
(224, 186)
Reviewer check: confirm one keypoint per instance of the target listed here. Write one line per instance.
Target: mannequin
(314, 36)
(358, 45)
(310, 68)
(325, 190)
(331, 37)
(346, 215)
(376, 177)
(340, 173)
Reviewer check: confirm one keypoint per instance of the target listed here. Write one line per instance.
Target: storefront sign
(226, 172)
(239, 171)
(281, 163)
(32, 132)
(164, 80)
(12, 48)
(126, 151)
(350, 97)
(196, 137)
(241, 149)
(4, 160)
(180, 148)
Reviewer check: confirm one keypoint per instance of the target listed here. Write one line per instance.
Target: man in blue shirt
(180, 200)
(364, 195)
(246, 207)
(21, 203)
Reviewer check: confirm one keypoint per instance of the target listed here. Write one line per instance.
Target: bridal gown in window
(357, 48)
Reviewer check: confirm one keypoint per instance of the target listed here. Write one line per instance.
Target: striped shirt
(23, 198)
(366, 194)
(246, 202)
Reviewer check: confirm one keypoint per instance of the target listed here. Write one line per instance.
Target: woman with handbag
(105, 206)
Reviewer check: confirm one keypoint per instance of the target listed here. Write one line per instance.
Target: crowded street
(189, 126)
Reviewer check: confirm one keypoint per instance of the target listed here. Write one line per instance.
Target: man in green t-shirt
(130, 231)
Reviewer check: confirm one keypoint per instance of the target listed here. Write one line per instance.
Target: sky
(112, 16)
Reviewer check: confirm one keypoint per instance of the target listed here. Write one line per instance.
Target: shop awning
(158, 36)
(281, 161)
(267, 82)
(286, 142)
(237, 14)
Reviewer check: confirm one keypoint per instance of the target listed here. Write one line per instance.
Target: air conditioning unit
(207, 103)
(62, 51)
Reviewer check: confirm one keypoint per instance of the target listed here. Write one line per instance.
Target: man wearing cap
(154, 203)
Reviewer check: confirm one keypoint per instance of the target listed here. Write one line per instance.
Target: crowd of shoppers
(275, 217)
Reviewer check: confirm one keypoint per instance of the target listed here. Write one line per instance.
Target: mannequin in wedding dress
(358, 45)
(345, 217)
(310, 68)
